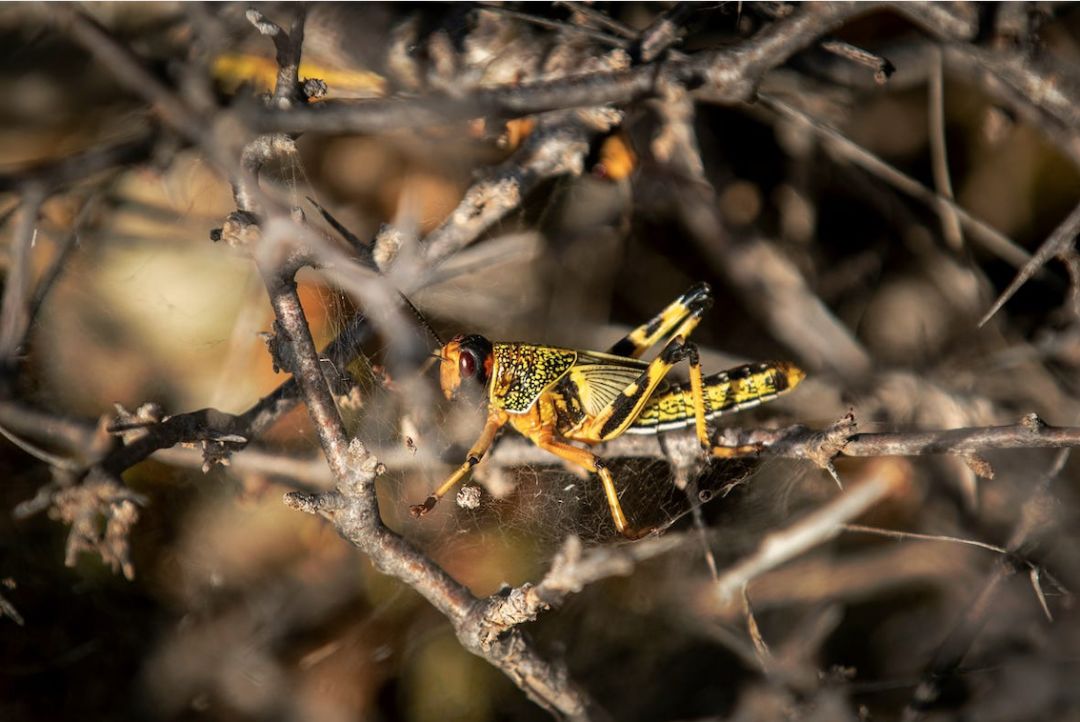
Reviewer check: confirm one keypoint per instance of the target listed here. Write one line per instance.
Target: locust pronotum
(556, 395)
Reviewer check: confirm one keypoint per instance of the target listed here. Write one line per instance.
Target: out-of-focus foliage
(242, 609)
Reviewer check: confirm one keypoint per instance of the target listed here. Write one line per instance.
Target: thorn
(1037, 586)
(832, 472)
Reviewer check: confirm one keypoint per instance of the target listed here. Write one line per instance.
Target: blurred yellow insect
(555, 395)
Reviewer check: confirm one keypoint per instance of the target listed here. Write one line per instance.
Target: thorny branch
(730, 73)
(557, 146)
(783, 545)
(1026, 535)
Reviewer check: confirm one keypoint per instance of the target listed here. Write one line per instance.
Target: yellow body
(556, 395)
(579, 384)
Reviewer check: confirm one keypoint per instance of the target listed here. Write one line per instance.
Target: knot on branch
(506, 609)
(824, 446)
(240, 231)
(362, 467)
(322, 503)
(388, 241)
(132, 426)
(281, 352)
(563, 578)
(314, 88)
(1033, 423)
(262, 24)
(978, 465)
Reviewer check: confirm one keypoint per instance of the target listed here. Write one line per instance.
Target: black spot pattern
(568, 408)
(522, 371)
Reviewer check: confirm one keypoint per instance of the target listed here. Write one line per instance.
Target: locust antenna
(423, 321)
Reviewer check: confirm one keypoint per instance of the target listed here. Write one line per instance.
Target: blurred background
(243, 609)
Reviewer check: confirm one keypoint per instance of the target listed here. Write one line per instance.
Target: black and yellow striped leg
(697, 395)
(641, 339)
(626, 406)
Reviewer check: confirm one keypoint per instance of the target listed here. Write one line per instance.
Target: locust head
(465, 359)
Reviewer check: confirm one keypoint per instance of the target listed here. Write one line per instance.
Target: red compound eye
(467, 364)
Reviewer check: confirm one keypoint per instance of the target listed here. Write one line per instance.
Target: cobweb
(526, 510)
(531, 507)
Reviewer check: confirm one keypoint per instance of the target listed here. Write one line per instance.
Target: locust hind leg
(647, 335)
(621, 411)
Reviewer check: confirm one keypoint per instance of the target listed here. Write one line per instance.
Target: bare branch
(572, 570)
(730, 74)
(939, 156)
(56, 174)
(665, 31)
(1047, 98)
(991, 239)
(353, 510)
(557, 146)
(129, 70)
(880, 480)
(543, 22)
(289, 45)
(956, 645)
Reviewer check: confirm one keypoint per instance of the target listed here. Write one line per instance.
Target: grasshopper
(556, 395)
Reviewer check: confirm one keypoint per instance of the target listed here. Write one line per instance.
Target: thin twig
(663, 32)
(954, 648)
(556, 147)
(939, 156)
(543, 22)
(59, 261)
(882, 68)
(1049, 99)
(881, 480)
(1059, 241)
(7, 609)
(990, 238)
(40, 454)
(15, 311)
(130, 70)
(1035, 571)
(57, 174)
(573, 569)
(894, 534)
(599, 18)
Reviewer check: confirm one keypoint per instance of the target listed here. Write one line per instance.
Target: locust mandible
(553, 396)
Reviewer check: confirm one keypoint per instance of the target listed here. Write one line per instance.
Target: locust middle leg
(539, 426)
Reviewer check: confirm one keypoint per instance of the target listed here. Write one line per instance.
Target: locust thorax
(465, 360)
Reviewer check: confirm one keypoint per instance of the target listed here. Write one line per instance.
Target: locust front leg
(494, 422)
